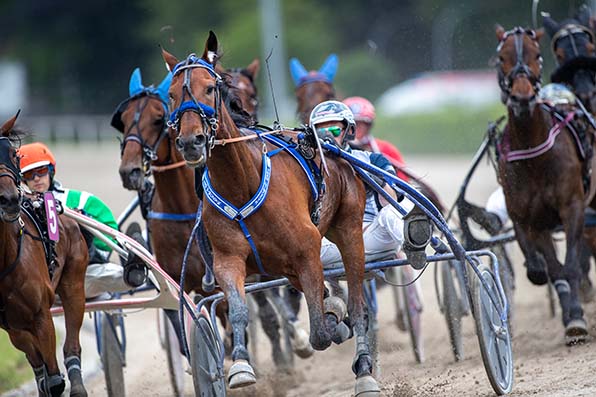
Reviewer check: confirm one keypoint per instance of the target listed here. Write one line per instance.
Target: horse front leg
(44, 339)
(230, 273)
(352, 250)
(72, 294)
(535, 263)
(576, 329)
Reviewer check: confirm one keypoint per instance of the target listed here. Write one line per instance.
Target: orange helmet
(34, 155)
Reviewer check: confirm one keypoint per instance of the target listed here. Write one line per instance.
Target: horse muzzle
(132, 179)
(193, 149)
(10, 207)
(522, 104)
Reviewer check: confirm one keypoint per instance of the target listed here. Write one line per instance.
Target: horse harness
(210, 123)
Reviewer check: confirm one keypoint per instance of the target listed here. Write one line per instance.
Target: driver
(38, 167)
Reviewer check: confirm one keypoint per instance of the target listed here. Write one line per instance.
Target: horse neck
(174, 188)
(8, 234)
(234, 169)
(528, 131)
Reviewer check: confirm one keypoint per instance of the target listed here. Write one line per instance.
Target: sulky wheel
(208, 380)
(175, 357)
(111, 332)
(452, 308)
(493, 333)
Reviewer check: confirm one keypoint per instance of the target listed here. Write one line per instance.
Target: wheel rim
(496, 336)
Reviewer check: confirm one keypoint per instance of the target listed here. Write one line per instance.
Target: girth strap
(239, 214)
(166, 216)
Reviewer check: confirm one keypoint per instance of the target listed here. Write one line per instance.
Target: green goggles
(333, 130)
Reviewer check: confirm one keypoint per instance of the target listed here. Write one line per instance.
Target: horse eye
(210, 90)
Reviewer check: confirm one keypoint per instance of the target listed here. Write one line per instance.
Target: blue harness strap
(291, 149)
(165, 216)
(233, 213)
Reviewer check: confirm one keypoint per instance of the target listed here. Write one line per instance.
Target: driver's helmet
(362, 108)
(36, 155)
(557, 94)
(334, 111)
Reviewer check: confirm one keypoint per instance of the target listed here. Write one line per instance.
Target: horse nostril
(179, 144)
(3, 201)
(200, 140)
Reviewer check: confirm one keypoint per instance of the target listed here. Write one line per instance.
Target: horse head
(313, 87)
(201, 100)
(573, 46)
(242, 84)
(142, 119)
(10, 175)
(519, 67)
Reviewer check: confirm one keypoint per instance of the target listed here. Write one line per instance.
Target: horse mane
(233, 104)
(17, 134)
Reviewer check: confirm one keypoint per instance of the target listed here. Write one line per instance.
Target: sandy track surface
(544, 366)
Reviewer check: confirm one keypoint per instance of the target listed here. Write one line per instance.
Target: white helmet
(334, 111)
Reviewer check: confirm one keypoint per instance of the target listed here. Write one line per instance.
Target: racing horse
(542, 175)
(275, 234)
(142, 119)
(574, 48)
(243, 85)
(27, 291)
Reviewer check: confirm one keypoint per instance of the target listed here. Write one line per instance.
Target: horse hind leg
(270, 324)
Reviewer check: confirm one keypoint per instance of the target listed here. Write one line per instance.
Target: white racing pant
(104, 277)
(496, 204)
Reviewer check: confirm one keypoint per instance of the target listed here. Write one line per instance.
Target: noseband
(520, 68)
(207, 113)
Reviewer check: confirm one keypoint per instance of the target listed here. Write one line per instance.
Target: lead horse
(541, 171)
(275, 235)
(27, 290)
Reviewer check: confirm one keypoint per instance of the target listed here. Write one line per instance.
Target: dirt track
(543, 365)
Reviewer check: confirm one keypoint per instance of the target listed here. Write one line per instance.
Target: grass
(449, 131)
(14, 368)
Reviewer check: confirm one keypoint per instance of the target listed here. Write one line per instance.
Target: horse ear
(583, 15)
(136, 83)
(170, 60)
(329, 67)
(164, 86)
(297, 70)
(539, 33)
(253, 68)
(210, 53)
(551, 26)
(500, 32)
(9, 124)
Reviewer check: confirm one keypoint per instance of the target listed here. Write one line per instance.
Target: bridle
(520, 68)
(9, 169)
(133, 133)
(207, 113)
(570, 31)
(235, 73)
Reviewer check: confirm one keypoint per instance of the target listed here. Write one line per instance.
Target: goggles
(333, 130)
(39, 171)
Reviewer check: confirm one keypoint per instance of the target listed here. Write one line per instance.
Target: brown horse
(26, 290)
(313, 87)
(242, 82)
(543, 186)
(148, 147)
(285, 240)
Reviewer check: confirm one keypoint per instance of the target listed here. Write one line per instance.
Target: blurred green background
(78, 55)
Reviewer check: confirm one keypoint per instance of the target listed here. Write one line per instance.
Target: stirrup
(417, 235)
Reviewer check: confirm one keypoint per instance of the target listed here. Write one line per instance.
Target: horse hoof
(241, 374)
(576, 332)
(301, 344)
(78, 391)
(537, 276)
(336, 306)
(366, 386)
(341, 334)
